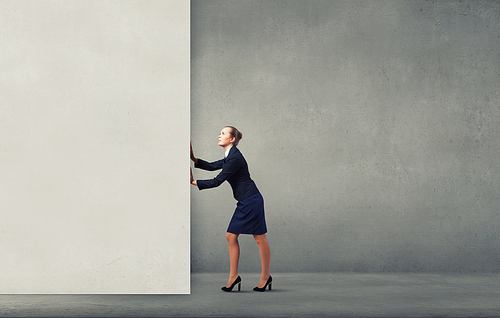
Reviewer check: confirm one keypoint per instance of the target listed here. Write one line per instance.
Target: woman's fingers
(192, 154)
(193, 182)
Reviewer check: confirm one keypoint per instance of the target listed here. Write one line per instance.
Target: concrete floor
(293, 295)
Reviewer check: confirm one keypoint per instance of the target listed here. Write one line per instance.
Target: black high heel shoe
(236, 281)
(269, 282)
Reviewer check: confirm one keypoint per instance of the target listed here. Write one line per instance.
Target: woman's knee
(231, 237)
(260, 238)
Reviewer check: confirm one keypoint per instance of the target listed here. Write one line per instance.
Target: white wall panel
(94, 133)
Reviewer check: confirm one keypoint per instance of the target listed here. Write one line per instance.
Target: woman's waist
(250, 198)
(242, 191)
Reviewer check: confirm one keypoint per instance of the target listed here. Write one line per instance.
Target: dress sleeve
(231, 166)
(210, 166)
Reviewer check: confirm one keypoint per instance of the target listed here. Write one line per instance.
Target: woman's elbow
(217, 182)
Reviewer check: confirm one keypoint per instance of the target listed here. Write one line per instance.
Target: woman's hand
(193, 182)
(195, 160)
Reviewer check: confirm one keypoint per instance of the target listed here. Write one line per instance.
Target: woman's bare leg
(265, 258)
(234, 256)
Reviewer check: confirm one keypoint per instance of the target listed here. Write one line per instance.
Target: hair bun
(236, 134)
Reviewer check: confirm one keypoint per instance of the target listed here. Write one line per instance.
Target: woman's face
(225, 138)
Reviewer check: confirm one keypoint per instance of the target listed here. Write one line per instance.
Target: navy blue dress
(248, 218)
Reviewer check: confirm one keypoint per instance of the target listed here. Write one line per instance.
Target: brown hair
(236, 134)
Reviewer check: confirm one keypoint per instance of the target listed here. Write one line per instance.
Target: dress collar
(227, 152)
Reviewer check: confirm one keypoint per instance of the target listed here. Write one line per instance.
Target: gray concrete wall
(372, 128)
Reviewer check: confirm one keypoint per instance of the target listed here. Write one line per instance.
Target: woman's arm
(205, 165)
(232, 165)
(209, 166)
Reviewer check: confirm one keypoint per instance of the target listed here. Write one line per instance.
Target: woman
(248, 218)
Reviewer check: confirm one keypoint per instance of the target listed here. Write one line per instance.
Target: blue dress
(248, 218)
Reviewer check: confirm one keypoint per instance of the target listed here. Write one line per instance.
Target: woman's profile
(248, 218)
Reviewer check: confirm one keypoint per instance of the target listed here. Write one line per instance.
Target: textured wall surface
(371, 128)
(93, 191)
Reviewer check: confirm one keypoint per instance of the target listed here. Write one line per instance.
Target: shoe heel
(237, 281)
(268, 283)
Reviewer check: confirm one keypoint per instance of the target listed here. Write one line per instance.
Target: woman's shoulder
(235, 152)
(235, 156)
